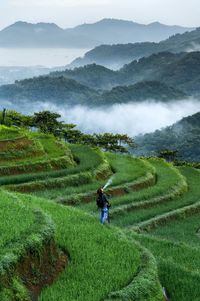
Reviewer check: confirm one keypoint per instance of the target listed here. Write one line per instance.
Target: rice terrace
(52, 244)
(99, 150)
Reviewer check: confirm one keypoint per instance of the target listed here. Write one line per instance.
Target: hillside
(180, 70)
(175, 76)
(94, 76)
(183, 136)
(65, 91)
(141, 91)
(45, 88)
(59, 234)
(154, 205)
(106, 31)
(115, 56)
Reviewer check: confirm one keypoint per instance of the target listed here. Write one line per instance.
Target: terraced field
(155, 210)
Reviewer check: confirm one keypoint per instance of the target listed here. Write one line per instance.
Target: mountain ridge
(115, 56)
(85, 35)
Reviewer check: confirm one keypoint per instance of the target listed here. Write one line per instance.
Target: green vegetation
(23, 231)
(183, 136)
(86, 256)
(138, 174)
(173, 240)
(175, 76)
(140, 204)
(9, 133)
(154, 202)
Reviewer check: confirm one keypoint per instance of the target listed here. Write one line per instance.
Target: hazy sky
(67, 13)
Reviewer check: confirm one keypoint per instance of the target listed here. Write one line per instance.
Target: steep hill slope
(47, 227)
(183, 136)
(141, 91)
(65, 91)
(179, 70)
(49, 89)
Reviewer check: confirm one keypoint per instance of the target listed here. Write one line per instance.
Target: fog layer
(133, 119)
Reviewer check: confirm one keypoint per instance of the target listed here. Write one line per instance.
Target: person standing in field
(104, 205)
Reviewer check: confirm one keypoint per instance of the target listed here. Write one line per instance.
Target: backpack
(100, 202)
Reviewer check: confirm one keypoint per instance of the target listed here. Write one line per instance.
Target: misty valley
(99, 162)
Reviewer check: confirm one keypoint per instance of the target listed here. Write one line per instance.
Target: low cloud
(132, 119)
(193, 47)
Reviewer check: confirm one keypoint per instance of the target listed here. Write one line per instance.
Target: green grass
(7, 133)
(182, 230)
(87, 160)
(41, 147)
(136, 171)
(178, 207)
(167, 179)
(175, 243)
(178, 265)
(93, 251)
(21, 228)
(128, 169)
(51, 147)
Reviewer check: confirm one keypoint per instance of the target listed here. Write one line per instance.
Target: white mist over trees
(133, 119)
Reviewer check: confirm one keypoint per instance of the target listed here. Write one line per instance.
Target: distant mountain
(112, 31)
(183, 136)
(115, 56)
(106, 31)
(94, 76)
(58, 90)
(23, 34)
(61, 90)
(179, 70)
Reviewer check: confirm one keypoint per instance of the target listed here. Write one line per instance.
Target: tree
(73, 136)
(114, 142)
(47, 122)
(168, 155)
(14, 118)
(3, 116)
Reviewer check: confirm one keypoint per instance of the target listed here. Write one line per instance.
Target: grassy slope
(84, 279)
(131, 168)
(167, 180)
(23, 231)
(93, 251)
(186, 229)
(176, 245)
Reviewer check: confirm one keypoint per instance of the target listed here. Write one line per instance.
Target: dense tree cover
(13, 118)
(94, 76)
(52, 90)
(184, 137)
(146, 90)
(46, 88)
(181, 71)
(175, 76)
